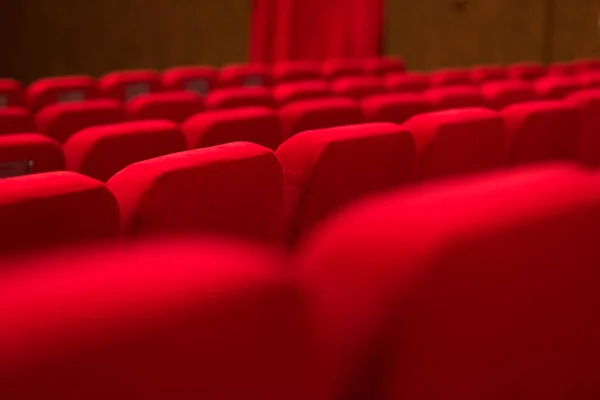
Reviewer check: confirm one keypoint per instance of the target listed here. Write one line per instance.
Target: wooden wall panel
(433, 33)
(576, 30)
(54, 37)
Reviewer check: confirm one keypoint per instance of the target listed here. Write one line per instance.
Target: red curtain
(315, 29)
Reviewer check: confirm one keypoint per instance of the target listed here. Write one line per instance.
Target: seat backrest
(248, 75)
(396, 108)
(337, 68)
(458, 142)
(385, 65)
(253, 124)
(505, 93)
(172, 106)
(293, 71)
(412, 82)
(328, 168)
(190, 318)
(589, 79)
(529, 71)
(561, 69)
(11, 93)
(541, 131)
(488, 73)
(481, 288)
(60, 121)
(459, 96)
(27, 153)
(450, 77)
(125, 85)
(55, 209)
(587, 64)
(319, 114)
(588, 143)
(303, 90)
(16, 120)
(556, 87)
(358, 87)
(237, 97)
(64, 89)
(200, 80)
(102, 151)
(233, 189)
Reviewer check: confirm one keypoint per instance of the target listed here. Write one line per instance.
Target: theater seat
(248, 75)
(358, 87)
(319, 114)
(586, 64)
(505, 93)
(482, 288)
(589, 79)
(541, 131)
(64, 89)
(488, 73)
(193, 318)
(60, 121)
(16, 120)
(458, 142)
(125, 85)
(529, 71)
(102, 151)
(233, 189)
(328, 168)
(296, 91)
(11, 93)
(588, 104)
(294, 71)
(240, 97)
(384, 65)
(172, 106)
(561, 69)
(556, 87)
(200, 80)
(337, 68)
(55, 209)
(450, 77)
(28, 153)
(253, 124)
(396, 108)
(407, 83)
(459, 96)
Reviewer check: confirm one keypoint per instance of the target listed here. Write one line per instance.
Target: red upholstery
(385, 65)
(125, 85)
(589, 79)
(11, 93)
(529, 71)
(64, 89)
(29, 153)
(541, 131)
(587, 64)
(561, 68)
(305, 90)
(358, 87)
(459, 96)
(234, 189)
(588, 103)
(60, 121)
(253, 124)
(475, 289)
(457, 142)
(505, 93)
(172, 106)
(199, 79)
(240, 97)
(102, 151)
(396, 108)
(556, 87)
(487, 73)
(326, 169)
(450, 77)
(318, 114)
(292, 71)
(16, 120)
(156, 320)
(249, 75)
(410, 82)
(55, 208)
(338, 68)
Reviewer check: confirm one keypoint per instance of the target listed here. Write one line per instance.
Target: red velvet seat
(588, 143)
(64, 89)
(253, 124)
(385, 65)
(561, 69)
(305, 90)
(233, 189)
(396, 108)
(589, 79)
(458, 142)
(125, 85)
(329, 168)
(556, 87)
(172, 106)
(529, 71)
(11, 93)
(409, 82)
(16, 120)
(200, 79)
(27, 153)
(337, 68)
(450, 77)
(102, 151)
(294, 71)
(505, 93)
(248, 75)
(459, 96)
(358, 87)
(240, 97)
(488, 73)
(586, 64)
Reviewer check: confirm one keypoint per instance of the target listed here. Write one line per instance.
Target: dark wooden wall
(55, 37)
